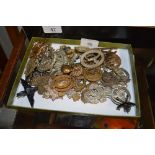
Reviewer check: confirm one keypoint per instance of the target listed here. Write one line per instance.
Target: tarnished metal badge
(120, 94)
(92, 58)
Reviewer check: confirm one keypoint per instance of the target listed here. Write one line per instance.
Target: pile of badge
(89, 75)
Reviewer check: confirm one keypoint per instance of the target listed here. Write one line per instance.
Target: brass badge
(38, 49)
(123, 75)
(62, 83)
(92, 58)
(66, 69)
(79, 84)
(112, 60)
(77, 70)
(92, 74)
(94, 94)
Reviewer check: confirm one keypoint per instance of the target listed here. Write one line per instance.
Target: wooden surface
(145, 102)
(10, 66)
(142, 57)
(13, 34)
(3, 60)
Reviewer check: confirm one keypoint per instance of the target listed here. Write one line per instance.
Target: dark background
(139, 37)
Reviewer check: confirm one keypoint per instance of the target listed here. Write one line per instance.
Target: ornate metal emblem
(92, 58)
(66, 69)
(94, 94)
(77, 70)
(92, 74)
(120, 94)
(62, 83)
(112, 60)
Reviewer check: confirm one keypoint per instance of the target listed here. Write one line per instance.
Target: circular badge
(92, 74)
(120, 95)
(92, 58)
(62, 83)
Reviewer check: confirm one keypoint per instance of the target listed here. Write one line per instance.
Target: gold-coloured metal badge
(92, 74)
(112, 60)
(92, 58)
(62, 83)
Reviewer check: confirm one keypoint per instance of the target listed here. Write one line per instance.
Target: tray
(67, 105)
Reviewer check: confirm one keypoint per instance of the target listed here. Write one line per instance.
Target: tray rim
(75, 42)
